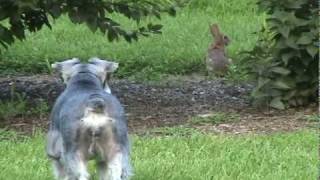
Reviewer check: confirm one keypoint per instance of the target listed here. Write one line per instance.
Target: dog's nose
(97, 105)
(96, 132)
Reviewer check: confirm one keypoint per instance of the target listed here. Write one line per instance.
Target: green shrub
(285, 61)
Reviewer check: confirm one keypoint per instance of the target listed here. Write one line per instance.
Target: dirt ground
(167, 103)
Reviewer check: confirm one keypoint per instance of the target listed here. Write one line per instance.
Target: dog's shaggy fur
(88, 122)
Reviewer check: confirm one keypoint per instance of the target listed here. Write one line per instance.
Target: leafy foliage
(32, 15)
(285, 61)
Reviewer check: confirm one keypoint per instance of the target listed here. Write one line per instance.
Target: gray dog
(87, 122)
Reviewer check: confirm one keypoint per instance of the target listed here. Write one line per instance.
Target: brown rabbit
(217, 61)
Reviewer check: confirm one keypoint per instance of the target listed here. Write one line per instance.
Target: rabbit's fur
(217, 61)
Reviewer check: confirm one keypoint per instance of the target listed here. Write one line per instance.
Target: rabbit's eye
(226, 40)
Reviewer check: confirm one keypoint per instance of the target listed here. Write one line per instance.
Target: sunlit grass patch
(199, 156)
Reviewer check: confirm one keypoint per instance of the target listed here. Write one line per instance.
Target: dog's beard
(105, 84)
(107, 88)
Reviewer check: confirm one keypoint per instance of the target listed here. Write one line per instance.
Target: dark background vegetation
(282, 57)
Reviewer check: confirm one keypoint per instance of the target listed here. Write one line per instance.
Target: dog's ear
(64, 68)
(104, 65)
(60, 66)
(104, 69)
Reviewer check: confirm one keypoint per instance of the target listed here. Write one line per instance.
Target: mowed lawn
(180, 49)
(199, 156)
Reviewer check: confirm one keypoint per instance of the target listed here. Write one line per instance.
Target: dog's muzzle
(96, 105)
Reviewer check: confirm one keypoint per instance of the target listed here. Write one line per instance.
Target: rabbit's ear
(215, 30)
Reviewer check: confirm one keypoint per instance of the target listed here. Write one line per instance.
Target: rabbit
(217, 61)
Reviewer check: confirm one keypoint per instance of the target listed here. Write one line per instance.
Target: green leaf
(277, 103)
(93, 25)
(272, 92)
(292, 102)
(306, 92)
(284, 30)
(3, 44)
(74, 17)
(6, 35)
(262, 82)
(280, 15)
(128, 38)
(281, 85)
(112, 34)
(287, 56)
(303, 78)
(292, 19)
(312, 50)
(291, 42)
(55, 11)
(290, 94)
(280, 70)
(31, 4)
(156, 27)
(172, 11)
(296, 4)
(258, 94)
(281, 43)
(17, 29)
(306, 38)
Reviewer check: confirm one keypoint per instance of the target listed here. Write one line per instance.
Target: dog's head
(71, 67)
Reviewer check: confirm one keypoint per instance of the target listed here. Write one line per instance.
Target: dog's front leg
(113, 169)
(76, 166)
(58, 170)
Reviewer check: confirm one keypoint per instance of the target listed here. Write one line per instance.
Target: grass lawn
(179, 50)
(199, 156)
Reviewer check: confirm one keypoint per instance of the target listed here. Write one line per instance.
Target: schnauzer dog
(88, 122)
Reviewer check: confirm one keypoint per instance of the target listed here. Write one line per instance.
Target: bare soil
(165, 103)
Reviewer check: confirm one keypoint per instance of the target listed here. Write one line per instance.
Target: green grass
(179, 50)
(199, 156)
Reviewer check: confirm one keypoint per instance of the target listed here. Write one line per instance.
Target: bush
(285, 61)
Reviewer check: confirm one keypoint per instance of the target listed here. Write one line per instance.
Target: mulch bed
(162, 104)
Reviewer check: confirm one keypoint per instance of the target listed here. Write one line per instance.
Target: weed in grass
(13, 108)
(237, 73)
(215, 118)
(41, 109)
(312, 118)
(200, 157)
(19, 107)
(172, 131)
